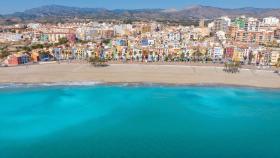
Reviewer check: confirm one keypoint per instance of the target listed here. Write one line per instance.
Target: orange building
(35, 57)
(258, 37)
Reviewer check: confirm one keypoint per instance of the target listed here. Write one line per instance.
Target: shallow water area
(93, 120)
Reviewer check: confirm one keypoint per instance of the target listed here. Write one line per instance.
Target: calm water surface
(139, 122)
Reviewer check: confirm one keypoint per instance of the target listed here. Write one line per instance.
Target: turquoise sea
(144, 121)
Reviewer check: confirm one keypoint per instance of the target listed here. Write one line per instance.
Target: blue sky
(10, 6)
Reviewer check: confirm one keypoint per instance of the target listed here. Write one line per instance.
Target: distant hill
(214, 12)
(192, 12)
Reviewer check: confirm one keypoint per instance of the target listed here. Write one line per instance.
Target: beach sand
(136, 73)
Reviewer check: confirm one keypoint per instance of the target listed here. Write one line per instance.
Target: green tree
(106, 41)
(182, 56)
(97, 61)
(62, 40)
(232, 67)
(197, 55)
(128, 21)
(37, 46)
(4, 54)
(26, 48)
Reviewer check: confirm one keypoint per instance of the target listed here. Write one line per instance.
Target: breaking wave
(26, 85)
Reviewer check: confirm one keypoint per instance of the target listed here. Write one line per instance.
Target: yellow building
(275, 55)
(146, 28)
(80, 53)
(66, 53)
(238, 55)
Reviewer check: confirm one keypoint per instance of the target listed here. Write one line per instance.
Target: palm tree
(197, 55)
(277, 65)
(169, 57)
(4, 54)
(97, 61)
(232, 66)
(259, 57)
(182, 56)
(250, 57)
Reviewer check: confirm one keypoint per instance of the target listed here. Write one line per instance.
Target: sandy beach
(136, 73)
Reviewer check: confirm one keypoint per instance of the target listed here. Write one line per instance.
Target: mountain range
(188, 13)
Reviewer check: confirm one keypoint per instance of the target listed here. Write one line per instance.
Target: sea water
(117, 121)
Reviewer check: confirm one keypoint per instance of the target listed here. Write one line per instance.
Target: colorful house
(238, 55)
(35, 57)
(275, 57)
(218, 53)
(12, 60)
(229, 52)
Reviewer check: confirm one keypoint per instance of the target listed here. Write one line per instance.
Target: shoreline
(122, 84)
(137, 74)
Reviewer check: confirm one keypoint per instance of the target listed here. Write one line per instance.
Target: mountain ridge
(187, 13)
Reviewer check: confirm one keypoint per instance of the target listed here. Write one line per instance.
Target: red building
(13, 60)
(229, 52)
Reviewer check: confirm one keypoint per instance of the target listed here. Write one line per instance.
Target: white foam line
(18, 85)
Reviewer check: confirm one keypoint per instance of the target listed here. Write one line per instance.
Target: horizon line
(144, 8)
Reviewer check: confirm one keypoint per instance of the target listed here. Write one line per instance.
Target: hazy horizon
(11, 6)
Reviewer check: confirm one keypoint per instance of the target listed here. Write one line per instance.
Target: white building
(10, 37)
(122, 29)
(86, 33)
(221, 35)
(227, 20)
(217, 53)
(271, 21)
(34, 26)
(252, 24)
(222, 24)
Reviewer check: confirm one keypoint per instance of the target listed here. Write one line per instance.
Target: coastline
(125, 84)
(137, 74)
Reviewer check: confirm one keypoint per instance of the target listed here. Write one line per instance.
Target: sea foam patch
(26, 85)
